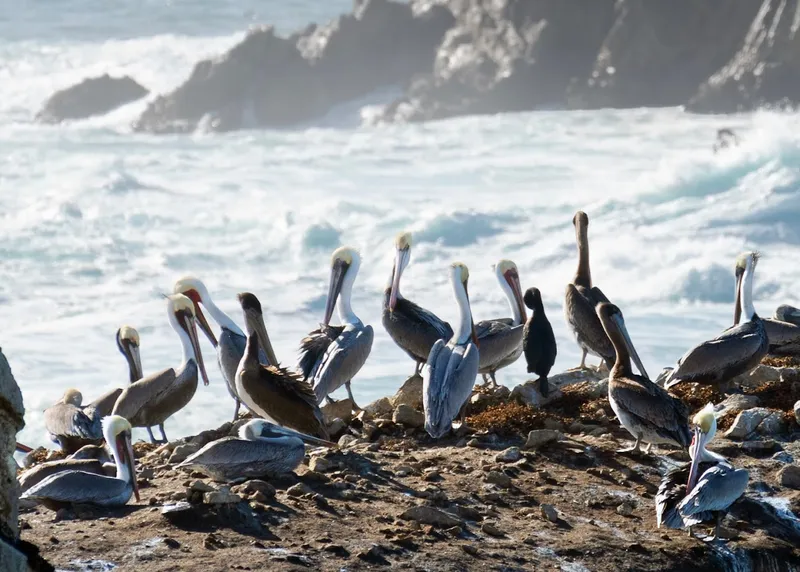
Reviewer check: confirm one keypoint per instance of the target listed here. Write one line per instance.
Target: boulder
(757, 420)
(92, 96)
(588, 382)
(764, 71)
(410, 393)
(408, 416)
(539, 437)
(380, 408)
(789, 476)
(11, 422)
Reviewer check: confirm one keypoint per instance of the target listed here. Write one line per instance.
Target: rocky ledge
(523, 488)
(460, 57)
(93, 96)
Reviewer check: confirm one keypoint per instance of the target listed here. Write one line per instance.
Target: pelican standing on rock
(538, 340)
(271, 391)
(735, 351)
(412, 327)
(646, 410)
(73, 426)
(582, 298)
(261, 449)
(337, 353)
(78, 487)
(153, 399)
(451, 369)
(703, 489)
(232, 340)
(501, 339)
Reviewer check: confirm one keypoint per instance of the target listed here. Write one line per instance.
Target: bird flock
(285, 401)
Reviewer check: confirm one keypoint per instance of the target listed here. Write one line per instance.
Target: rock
(342, 409)
(201, 486)
(735, 403)
(625, 509)
(772, 424)
(789, 476)
(255, 486)
(12, 421)
(498, 478)
(380, 408)
(222, 496)
(492, 530)
(470, 549)
(298, 490)
(92, 96)
(408, 416)
(410, 393)
(760, 419)
(181, 452)
(431, 516)
(593, 384)
(759, 446)
(783, 457)
(549, 512)
(510, 455)
(759, 376)
(336, 549)
(321, 465)
(539, 437)
(337, 427)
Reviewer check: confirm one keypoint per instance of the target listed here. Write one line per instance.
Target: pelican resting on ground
(89, 459)
(538, 340)
(78, 487)
(271, 391)
(582, 298)
(735, 351)
(703, 489)
(646, 410)
(787, 313)
(451, 369)
(232, 340)
(412, 327)
(501, 338)
(153, 399)
(331, 356)
(73, 426)
(261, 449)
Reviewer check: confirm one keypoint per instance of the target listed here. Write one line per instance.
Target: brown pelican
(783, 336)
(78, 487)
(89, 458)
(232, 340)
(413, 328)
(451, 369)
(73, 426)
(501, 339)
(646, 410)
(787, 313)
(272, 391)
(735, 351)
(331, 356)
(703, 489)
(153, 399)
(128, 345)
(538, 340)
(581, 299)
(261, 449)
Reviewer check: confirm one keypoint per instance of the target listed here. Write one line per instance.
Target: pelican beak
(401, 259)
(620, 322)
(512, 277)
(694, 452)
(188, 322)
(737, 308)
(125, 449)
(131, 352)
(256, 324)
(338, 272)
(201, 318)
(23, 448)
(311, 440)
(471, 321)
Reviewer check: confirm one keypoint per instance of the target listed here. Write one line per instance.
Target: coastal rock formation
(269, 81)
(11, 422)
(92, 96)
(766, 68)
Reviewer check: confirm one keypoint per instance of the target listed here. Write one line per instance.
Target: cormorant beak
(338, 272)
(737, 308)
(694, 451)
(512, 277)
(126, 452)
(187, 321)
(401, 259)
(620, 323)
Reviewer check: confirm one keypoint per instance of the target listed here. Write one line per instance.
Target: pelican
(451, 369)
(89, 458)
(232, 340)
(735, 351)
(78, 487)
(501, 338)
(787, 313)
(412, 327)
(128, 345)
(21, 448)
(153, 399)
(272, 391)
(581, 299)
(72, 426)
(538, 340)
(703, 489)
(646, 410)
(261, 449)
(337, 353)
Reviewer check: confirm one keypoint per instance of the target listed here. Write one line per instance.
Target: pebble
(408, 416)
(336, 426)
(147, 473)
(254, 486)
(403, 471)
(211, 542)
(510, 455)
(470, 549)
(540, 437)
(171, 543)
(201, 486)
(474, 443)
(498, 478)
(430, 515)
(549, 512)
(336, 549)
(298, 490)
(764, 446)
(783, 457)
(432, 475)
(789, 476)
(222, 496)
(321, 465)
(625, 509)
(492, 530)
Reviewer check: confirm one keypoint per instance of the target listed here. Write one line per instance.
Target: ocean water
(96, 222)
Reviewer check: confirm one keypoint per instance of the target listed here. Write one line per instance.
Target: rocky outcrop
(269, 81)
(93, 96)
(765, 70)
(11, 422)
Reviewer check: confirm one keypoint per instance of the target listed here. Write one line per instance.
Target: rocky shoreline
(465, 57)
(522, 488)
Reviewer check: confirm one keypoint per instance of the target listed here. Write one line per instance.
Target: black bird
(538, 340)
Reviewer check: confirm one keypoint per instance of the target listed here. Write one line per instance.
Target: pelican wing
(596, 295)
(716, 489)
(447, 382)
(414, 328)
(784, 337)
(653, 407)
(230, 451)
(81, 487)
(498, 341)
(582, 319)
(64, 419)
(671, 491)
(491, 327)
(105, 403)
(148, 389)
(342, 360)
(39, 473)
(314, 346)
